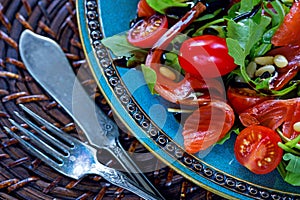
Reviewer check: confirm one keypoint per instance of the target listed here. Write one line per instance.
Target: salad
(232, 65)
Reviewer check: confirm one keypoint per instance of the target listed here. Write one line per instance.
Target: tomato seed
(259, 163)
(268, 159)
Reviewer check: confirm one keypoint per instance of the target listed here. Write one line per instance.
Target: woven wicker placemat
(22, 176)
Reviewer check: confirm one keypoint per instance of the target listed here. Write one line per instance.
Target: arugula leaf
(279, 14)
(262, 84)
(150, 77)
(247, 5)
(236, 51)
(294, 163)
(292, 178)
(161, 5)
(260, 50)
(247, 32)
(119, 45)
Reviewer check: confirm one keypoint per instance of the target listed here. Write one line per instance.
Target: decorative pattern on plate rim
(158, 136)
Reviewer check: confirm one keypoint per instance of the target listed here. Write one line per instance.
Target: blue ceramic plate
(146, 115)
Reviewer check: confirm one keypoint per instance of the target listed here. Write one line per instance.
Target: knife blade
(44, 58)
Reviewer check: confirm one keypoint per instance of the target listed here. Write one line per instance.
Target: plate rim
(87, 47)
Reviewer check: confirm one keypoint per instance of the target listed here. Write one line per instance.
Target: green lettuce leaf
(294, 163)
(150, 77)
(119, 45)
(291, 173)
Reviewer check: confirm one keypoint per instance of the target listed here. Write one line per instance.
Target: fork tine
(37, 141)
(58, 132)
(44, 134)
(30, 148)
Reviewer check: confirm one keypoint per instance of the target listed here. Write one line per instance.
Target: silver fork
(68, 155)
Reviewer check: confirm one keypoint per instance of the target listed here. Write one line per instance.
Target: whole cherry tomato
(243, 98)
(206, 56)
(147, 31)
(256, 148)
(144, 10)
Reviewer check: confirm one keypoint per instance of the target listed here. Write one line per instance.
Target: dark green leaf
(161, 5)
(137, 59)
(208, 16)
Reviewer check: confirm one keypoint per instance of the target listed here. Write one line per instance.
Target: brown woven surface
(22, 176)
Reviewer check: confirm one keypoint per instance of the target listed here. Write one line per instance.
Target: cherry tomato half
(243, 98)
(288, 32)
(206, 56)
(144, 10)
(147, 31)
(256, 148)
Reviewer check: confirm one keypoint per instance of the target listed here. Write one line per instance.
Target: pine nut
(280, 61)
(168, 73)
(251, 69)
(264, 60)
(266, 68)
(296, 127)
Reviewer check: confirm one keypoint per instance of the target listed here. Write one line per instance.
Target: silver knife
(46, 62)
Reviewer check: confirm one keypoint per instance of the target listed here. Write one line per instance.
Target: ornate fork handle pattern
(69, 156)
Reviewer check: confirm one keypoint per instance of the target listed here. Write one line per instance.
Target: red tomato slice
(288, 32)
(144, 10)
(243, 98)
(206, 56)
(273, 114)
(256, 148)
(207, 125)
(147, 31)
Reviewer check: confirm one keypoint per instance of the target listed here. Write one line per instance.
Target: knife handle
(131, 168)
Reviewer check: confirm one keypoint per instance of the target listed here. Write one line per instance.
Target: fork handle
(121, 180)
(131, 168)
